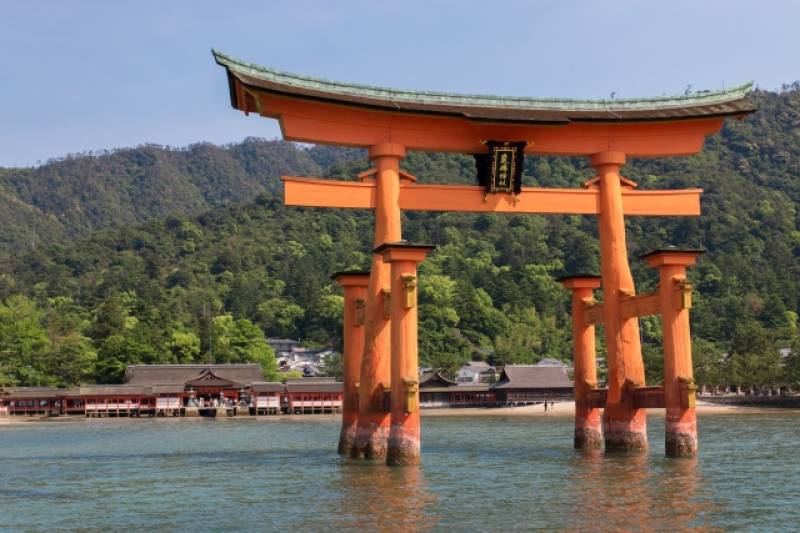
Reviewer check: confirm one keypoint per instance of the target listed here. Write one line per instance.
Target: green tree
(279, 317)
(241, 341)
(184, 346)
(521, 343)
(754, 359)
(709, 364)
(73, 360)
(24, 345)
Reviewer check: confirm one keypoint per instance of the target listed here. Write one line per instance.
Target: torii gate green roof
(700, 104)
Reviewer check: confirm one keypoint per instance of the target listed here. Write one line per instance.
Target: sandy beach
(568, 409)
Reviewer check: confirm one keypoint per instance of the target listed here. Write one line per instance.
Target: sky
(88, 75)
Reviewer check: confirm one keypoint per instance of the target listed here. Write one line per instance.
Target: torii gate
(389, 122)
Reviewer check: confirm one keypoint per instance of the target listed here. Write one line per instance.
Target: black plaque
(500, 169)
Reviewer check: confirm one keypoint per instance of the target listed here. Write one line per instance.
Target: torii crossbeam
(315, 192)
(389, 122)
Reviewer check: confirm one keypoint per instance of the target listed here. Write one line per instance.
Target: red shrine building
(181, 390)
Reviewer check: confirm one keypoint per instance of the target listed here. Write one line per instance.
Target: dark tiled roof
(730, 101)
(168, 389)
(314, 385)
(244, 373)
(479, 364)
(434, 379)
(533, 377)
(471, 387)
(209, 379)
(31, 392)
(266, 386)
(461, 387)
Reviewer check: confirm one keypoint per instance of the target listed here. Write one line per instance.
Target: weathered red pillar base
(347, 437)
(626, 433)
(588, 428)
(371, 437)
(680, 439)
(404, 439)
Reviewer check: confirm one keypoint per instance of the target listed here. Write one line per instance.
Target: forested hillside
(164, 255)
(71, 197)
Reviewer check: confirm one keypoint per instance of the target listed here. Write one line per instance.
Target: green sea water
(478, 474)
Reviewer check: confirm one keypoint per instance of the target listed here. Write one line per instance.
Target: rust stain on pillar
(373, 419)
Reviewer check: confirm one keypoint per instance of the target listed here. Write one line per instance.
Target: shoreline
(559, 410)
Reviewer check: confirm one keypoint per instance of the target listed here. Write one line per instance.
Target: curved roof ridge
(291, 80)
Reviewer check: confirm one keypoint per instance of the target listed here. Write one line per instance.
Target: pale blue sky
(95, 74)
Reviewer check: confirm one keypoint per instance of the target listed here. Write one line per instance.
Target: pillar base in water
(680, 444)
(625, 441)
(588, 439)
(625, 429)
(403, 450)
(370, 443)
(626, 435)
(346, 440)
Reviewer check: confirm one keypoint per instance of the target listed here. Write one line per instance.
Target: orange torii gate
(389, 122)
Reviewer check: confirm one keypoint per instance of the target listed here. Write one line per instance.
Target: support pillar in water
(679, 388)
(624, 426)
(404, 435)
(373, 417)
(354, 284)
(588, 424)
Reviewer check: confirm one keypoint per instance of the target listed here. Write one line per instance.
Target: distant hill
(71, 197)
(152, 254)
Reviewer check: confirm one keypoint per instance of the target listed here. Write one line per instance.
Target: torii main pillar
(355, 285)
(679, 388)
(404, 435)
(372, 433)
(624, 425)
(588, 428)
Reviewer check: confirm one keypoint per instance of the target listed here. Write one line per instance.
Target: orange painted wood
(404, 436)
(649, 397)
(373, 421)
(681, 419)
(596, 398)
(588, 428)
(315, 192)
(593, 314)
(641, 305)
(624, 426)
(355, 289)
(630, 307)
(643, 398)
(328, 123)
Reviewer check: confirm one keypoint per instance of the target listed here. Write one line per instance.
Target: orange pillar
(624, 426)
(355, 285)
(373, 418)
(679, 388)
(588, 430)
(404, 435)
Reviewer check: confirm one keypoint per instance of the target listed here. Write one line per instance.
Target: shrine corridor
(477, 474)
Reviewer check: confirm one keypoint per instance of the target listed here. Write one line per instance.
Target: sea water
(477, 474)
